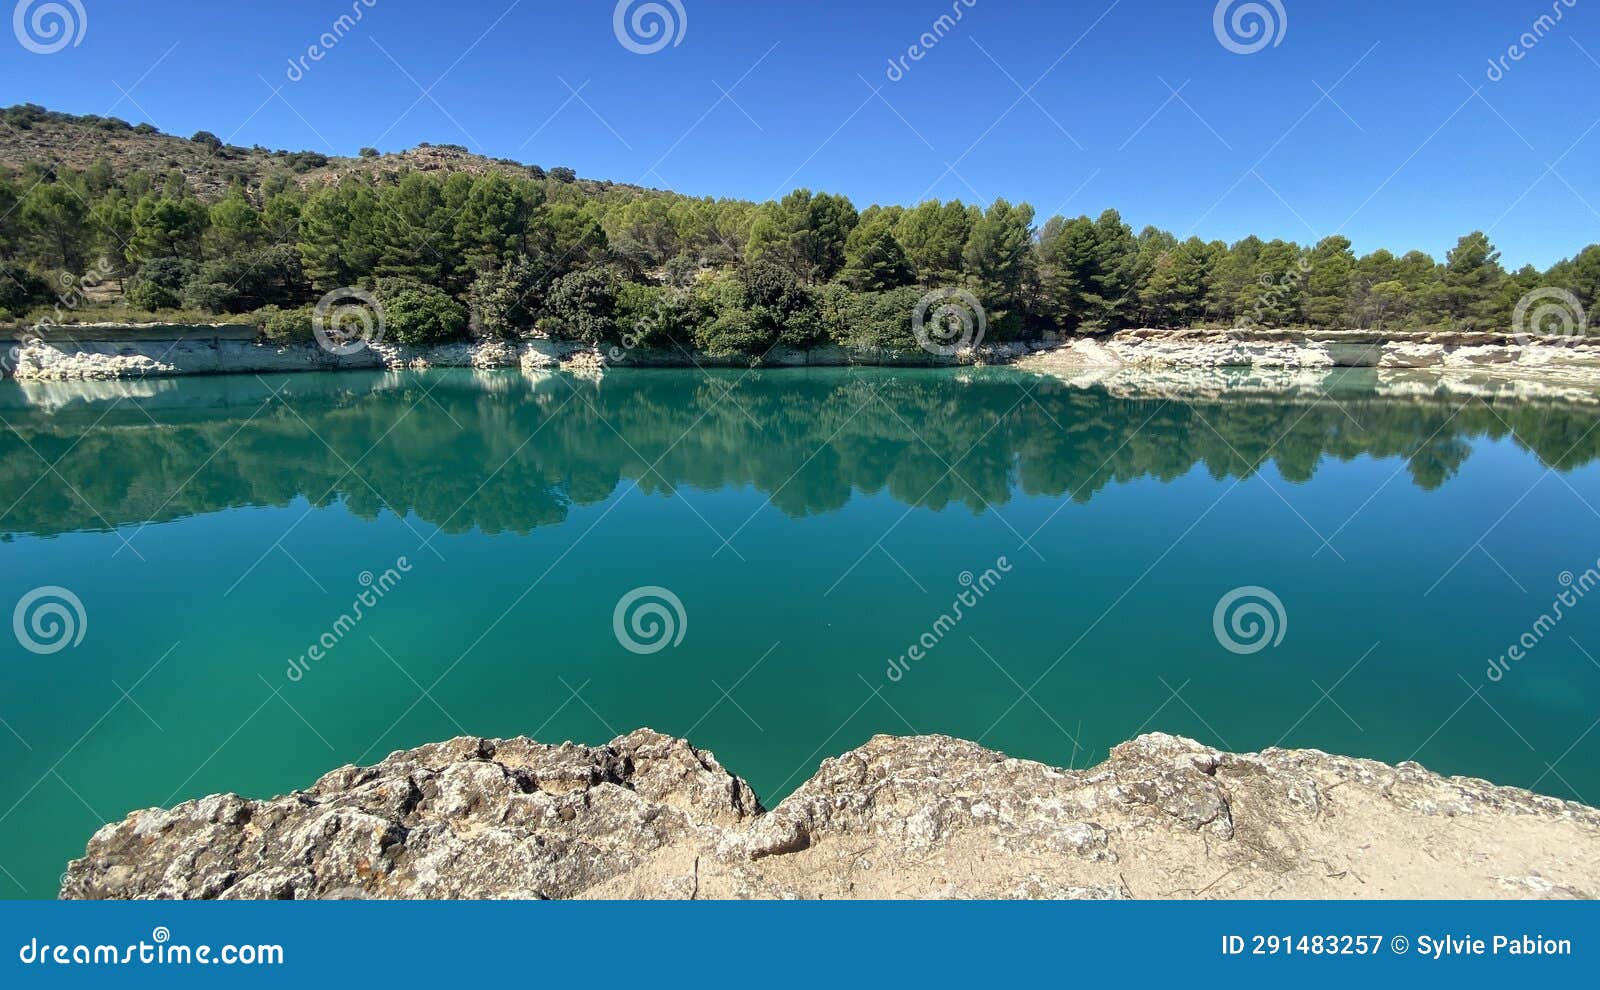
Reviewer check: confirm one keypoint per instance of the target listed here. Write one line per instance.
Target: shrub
(416, 314)
(22, 289)
(369, 152)
(285, 326)
(271, 276)
(583, 306)
(506, 303)
(869, 319)
(563, 174)
(735, 331)
(656, 316)
(159, 282)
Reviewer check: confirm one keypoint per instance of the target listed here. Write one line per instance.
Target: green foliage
(934, 236)
(159, 282)
(243, 283)
(1088, 271)
(285, 326)
(870, 319)
(21, 289)
(416, 314)
(583, 306)
(54, 213)
(167, 226)
(531, 252)
(874, 260)
(660, 317)
(1330, 282)
(805, 233)
(506, 302)
(998, 257)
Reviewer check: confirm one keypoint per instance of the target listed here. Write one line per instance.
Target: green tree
(111, 220)
(582, 306)
(1471, 274)
(934, 236)
(506, 302)
(805, 233)
(416, 240)
(1088, 274)
(54, 216)
(1175, 293)
(167, 227)
(1330, 283)
(339, 228)
(235, 224)
(874, 260)
(996, 258)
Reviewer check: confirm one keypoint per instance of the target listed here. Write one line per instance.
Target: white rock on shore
(122, 355)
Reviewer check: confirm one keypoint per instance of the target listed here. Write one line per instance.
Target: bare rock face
(650, 816)
(470, 818)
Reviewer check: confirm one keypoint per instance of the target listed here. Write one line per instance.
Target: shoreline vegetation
(107, 222)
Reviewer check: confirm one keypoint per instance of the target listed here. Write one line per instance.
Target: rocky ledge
(1558, 361)
(650, 816)
(165, 356)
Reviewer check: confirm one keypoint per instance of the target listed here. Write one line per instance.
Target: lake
(777, 565)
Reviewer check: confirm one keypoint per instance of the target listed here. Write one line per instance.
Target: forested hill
(136, 224)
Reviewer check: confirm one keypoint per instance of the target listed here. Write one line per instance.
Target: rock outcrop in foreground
(649, 816)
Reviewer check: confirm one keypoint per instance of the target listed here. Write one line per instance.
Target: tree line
(480, 252)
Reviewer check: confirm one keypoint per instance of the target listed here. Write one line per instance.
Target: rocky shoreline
(1562, 367)
(124, 356)
(650, 816)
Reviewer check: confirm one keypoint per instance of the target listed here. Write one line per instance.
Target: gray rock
(651, 816)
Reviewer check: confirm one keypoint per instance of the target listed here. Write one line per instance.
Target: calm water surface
(814, 526)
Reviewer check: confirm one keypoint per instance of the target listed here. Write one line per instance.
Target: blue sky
(1361, 120)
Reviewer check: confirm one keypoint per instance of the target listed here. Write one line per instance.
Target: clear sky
(1362, 119)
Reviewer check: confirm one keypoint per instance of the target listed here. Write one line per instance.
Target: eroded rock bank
(1572, 359)
(650, 816)
(120, 359)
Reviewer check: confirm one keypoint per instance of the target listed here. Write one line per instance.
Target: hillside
(34, 135)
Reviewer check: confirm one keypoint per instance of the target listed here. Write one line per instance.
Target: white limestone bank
(118, 358)
(650, 816)
(1415, 363)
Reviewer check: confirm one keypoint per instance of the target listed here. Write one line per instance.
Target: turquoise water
(813, 527)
